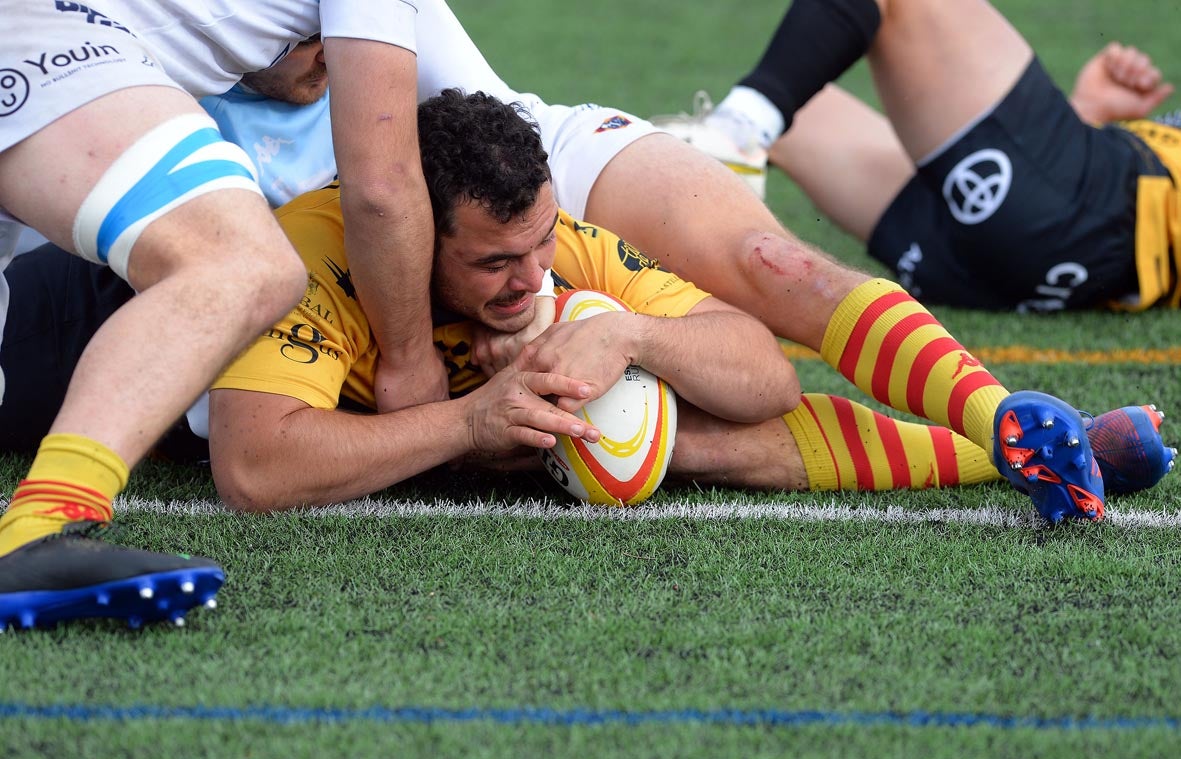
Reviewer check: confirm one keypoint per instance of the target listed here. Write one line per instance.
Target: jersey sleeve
(593, 258)
(390, 21)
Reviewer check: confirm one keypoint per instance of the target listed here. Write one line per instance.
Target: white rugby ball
(638, 421)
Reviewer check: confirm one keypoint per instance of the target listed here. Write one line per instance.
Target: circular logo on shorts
(14, 91)
(977, 186)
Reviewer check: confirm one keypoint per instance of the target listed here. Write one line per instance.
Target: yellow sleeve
(311, 352)
(592, 258)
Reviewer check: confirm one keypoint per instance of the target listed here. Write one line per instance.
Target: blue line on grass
(529, 715)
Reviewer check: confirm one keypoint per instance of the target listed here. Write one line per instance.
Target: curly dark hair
(476, 148)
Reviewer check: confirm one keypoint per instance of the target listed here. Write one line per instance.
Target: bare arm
(271, 452)
(717, 357)
(1119, 82)
(389, 232)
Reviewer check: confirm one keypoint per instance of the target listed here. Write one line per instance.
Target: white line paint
(834, 511)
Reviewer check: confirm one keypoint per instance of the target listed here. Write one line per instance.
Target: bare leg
(699, 219)
(939, 64)
(846, 157)
(714, 451)
(212, 273)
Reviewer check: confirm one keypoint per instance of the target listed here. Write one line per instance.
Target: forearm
(316, 456)
(724, 363)
(389, 233)
(389, 237)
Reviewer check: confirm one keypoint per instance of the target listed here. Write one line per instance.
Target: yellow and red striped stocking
(846, 446)
(893, 349)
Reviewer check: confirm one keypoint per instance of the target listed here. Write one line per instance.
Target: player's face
(489, 271)
(300, 78)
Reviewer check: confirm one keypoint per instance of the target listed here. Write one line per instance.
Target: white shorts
(581, 140)
(60, 61)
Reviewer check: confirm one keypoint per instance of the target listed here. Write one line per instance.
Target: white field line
(834, 511)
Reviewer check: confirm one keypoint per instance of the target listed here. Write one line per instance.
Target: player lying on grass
(826, 443)
(816, 448)
(283, 428)
(985, 187)
(692, 214)
(277, 436)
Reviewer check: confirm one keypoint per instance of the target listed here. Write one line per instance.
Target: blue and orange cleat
(1127, 444)
(74, 576)
(1040, 444)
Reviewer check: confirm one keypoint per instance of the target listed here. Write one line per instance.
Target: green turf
(496, 612)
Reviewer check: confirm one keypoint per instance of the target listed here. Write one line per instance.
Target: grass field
(477, 616)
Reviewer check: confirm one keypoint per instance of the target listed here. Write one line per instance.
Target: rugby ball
(637, 418)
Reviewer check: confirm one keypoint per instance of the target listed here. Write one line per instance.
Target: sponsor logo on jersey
(49, 67)
(14, 91)
(310, 304)
(92, 16)
(344, 279)
(268, 147)
(615, 122)
(634, 260)
(463, 376)
(312, 308)
(977, 186)
(303, 344)
(586, 229)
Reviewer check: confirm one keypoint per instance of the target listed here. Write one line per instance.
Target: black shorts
(1029, 209)
(56, 304)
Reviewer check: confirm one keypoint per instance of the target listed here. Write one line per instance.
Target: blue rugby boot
(1128, 446)
(1040, 444)
(74, 576)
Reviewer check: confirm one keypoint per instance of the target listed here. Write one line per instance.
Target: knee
(777, 263)
(280, 284)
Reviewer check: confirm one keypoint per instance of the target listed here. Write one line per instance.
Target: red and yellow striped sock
(73, 479)
(893, 349)
(846, 446)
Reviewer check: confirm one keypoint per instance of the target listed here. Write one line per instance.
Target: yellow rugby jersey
(1158, 220)
(324, 350)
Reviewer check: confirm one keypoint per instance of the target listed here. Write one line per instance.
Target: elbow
(243, 487)
(384, 191)
(772, 393)
(768, 399)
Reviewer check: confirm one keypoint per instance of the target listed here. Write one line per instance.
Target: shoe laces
(703, 106)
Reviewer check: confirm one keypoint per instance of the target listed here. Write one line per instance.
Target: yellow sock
(73, 479)
(846, 446)
(888, 345)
